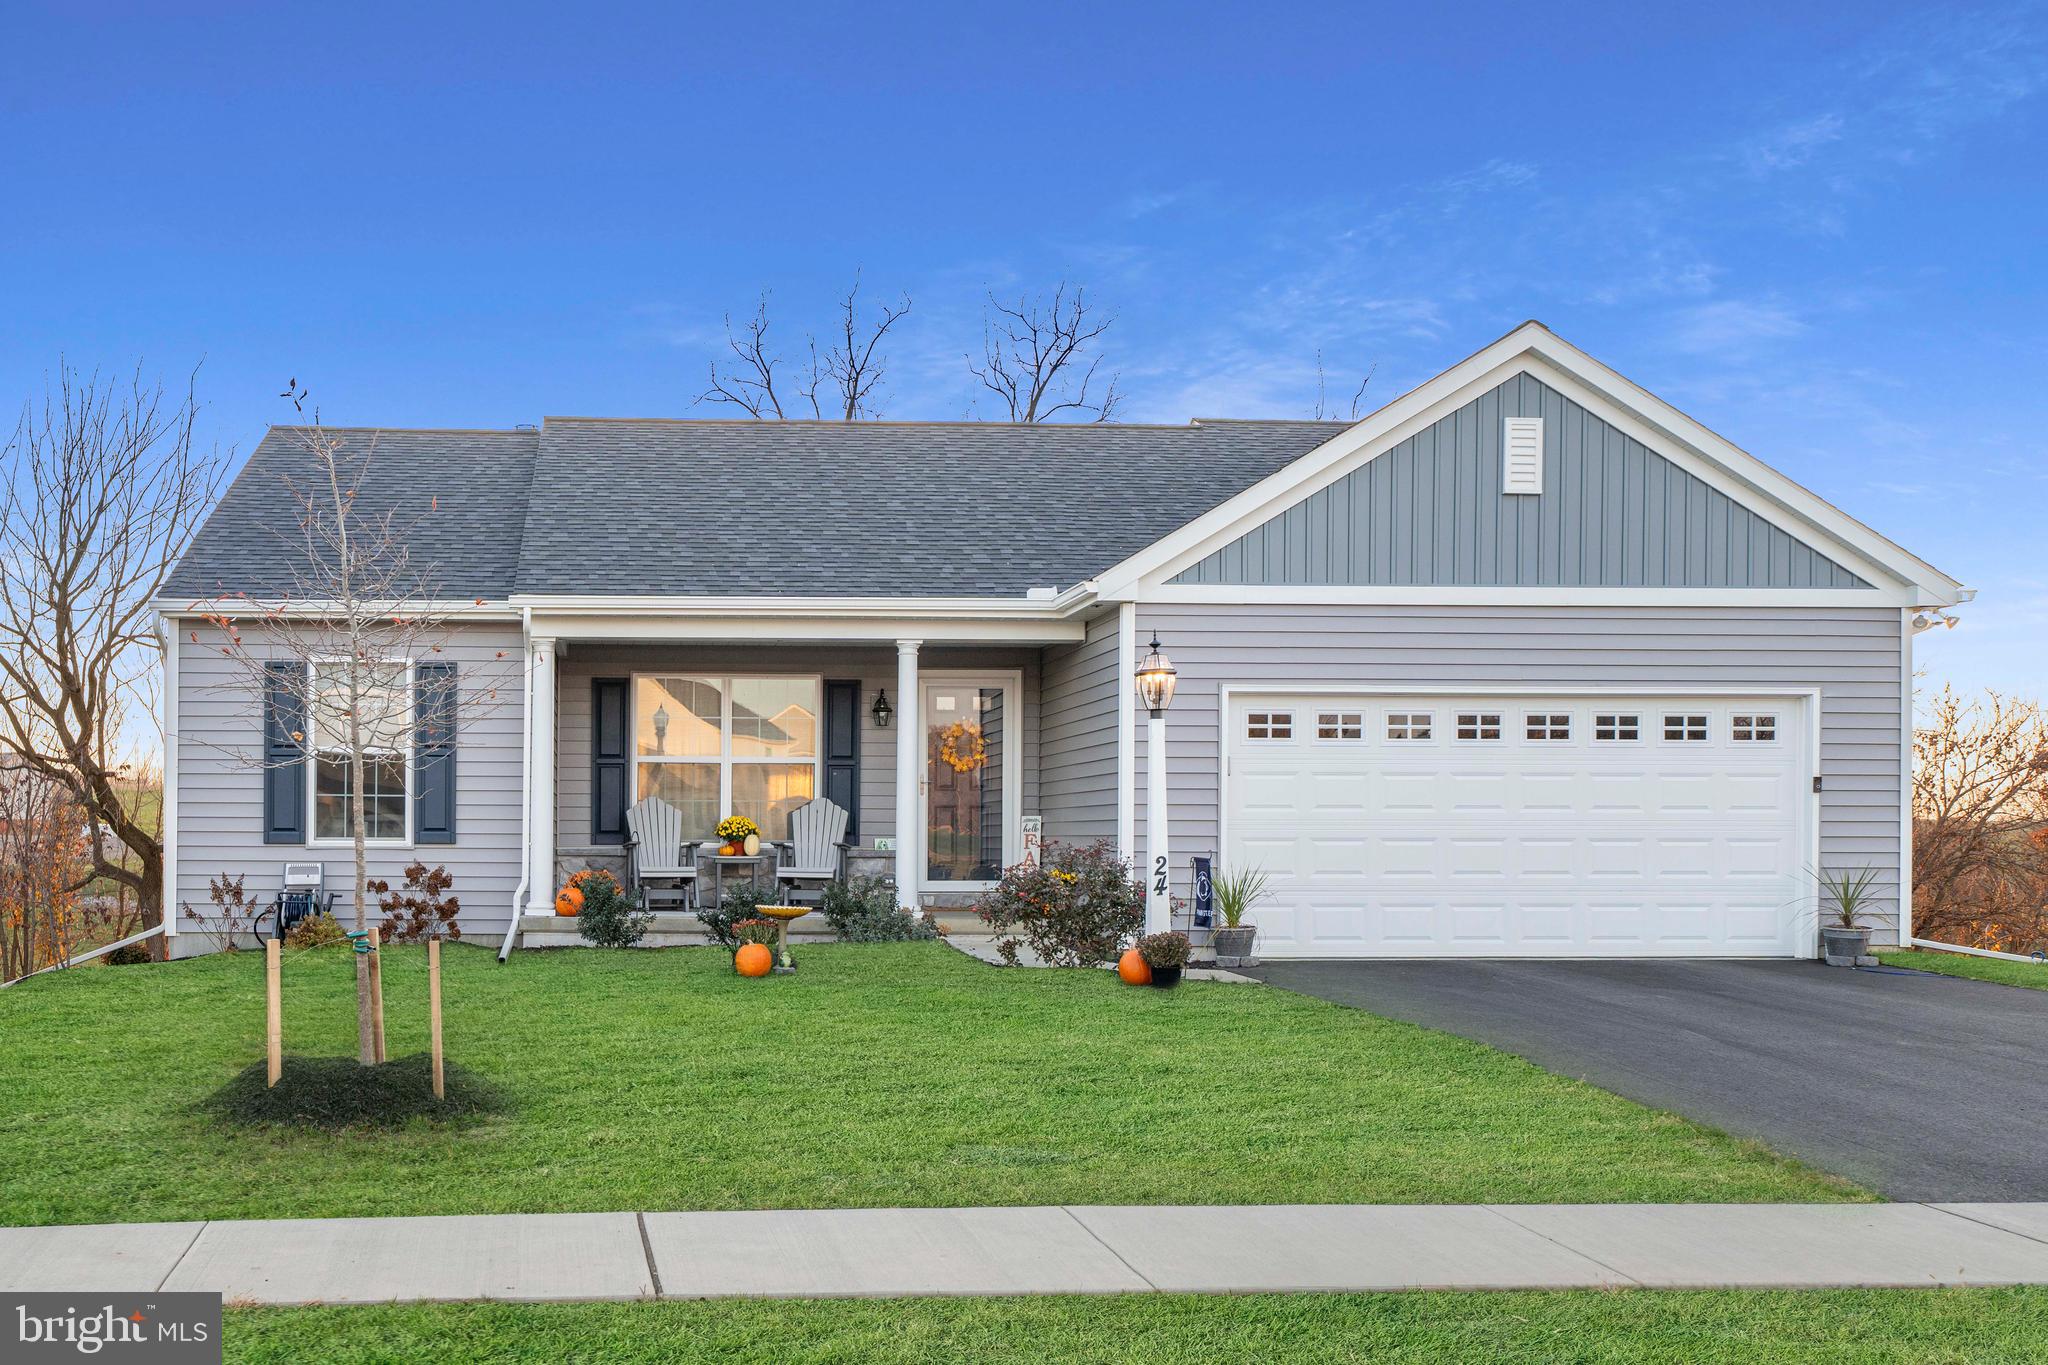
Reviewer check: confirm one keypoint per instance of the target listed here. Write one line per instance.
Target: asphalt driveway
(1918, 1086)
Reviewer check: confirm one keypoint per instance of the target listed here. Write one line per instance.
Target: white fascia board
(244, 609)
(1055, 608)
(1225, 594)
(847, 628)
(1531, 348)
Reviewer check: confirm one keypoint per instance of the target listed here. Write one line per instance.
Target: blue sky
(1818, 229)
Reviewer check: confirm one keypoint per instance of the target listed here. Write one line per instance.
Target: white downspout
(525, 780)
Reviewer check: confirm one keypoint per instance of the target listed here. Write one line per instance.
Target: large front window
(718, 746)
(377, 699)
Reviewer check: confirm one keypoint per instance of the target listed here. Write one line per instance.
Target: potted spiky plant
(1845, 894)
(1237, 891)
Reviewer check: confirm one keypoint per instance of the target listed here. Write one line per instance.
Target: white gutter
(525, 796)
(1053, 607)
(1972, 952)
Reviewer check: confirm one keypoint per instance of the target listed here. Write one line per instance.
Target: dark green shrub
(129, 955)
(314, 931)
(721, 922)
(864, 910)
(1074, 909)
(609, 918)
(1169, 949)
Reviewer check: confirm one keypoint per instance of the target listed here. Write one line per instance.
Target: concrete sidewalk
(1081, 1250)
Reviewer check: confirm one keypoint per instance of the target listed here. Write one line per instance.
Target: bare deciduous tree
(1980, 803)
(102, 491)
(843, 379)
(359, 610)
(1042, 356)
(1326, 411)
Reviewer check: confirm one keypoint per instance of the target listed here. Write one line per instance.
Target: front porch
(714, 724)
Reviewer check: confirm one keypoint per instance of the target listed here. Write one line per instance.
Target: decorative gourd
(569, 901)
(753, 844)
(753, 959)
(1133, 968)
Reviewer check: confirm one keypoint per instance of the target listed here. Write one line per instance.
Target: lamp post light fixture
(881, 710)
(661, 729)
(1155, 681)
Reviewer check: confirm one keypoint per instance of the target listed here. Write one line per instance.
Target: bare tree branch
(102, 491)
(845, 376)
(1041, 357)
(1323, 411)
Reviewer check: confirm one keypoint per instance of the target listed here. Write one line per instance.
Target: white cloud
(1732, 325)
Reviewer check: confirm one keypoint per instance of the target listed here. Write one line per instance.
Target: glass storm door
(966, 808)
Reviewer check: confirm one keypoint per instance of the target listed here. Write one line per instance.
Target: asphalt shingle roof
(716, 508)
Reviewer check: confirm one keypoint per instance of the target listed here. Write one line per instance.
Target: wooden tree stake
(377, 987)
(434, 1013)
(273, 992)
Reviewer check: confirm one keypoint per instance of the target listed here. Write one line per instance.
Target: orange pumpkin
(569, 901)
(753, 959)
(1133, 968)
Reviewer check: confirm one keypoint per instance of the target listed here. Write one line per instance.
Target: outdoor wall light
(881, 710)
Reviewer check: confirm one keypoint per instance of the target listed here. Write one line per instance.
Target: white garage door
(1537, 826)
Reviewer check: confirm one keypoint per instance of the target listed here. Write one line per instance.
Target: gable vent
(1521, 455)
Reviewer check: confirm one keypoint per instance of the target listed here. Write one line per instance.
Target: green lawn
(1631, 1325)
(2034, 974)
(903, 1074)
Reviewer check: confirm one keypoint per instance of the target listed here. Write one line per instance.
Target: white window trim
(1293, 729)
(1428, 717)
(725, 759)
(1572, 732)
(1643, 727)
(1663, 737)
(1012, 683)
(1337, 723)
(314, 839)
(1777, 723)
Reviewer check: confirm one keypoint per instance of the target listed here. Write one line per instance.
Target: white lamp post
(1155, 680)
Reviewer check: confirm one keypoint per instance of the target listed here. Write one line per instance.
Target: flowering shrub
(757, 930)
(1074, 909)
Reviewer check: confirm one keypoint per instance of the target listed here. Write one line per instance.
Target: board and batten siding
(1430, 511)
(1851, 655)
(1078, 749)
(875, 667)
(220, 784)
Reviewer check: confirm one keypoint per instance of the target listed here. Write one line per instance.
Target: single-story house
(1525, 663)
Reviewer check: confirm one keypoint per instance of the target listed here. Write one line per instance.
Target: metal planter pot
(1844, 947)
(1234, 947)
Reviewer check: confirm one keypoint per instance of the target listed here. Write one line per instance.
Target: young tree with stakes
(359, 612)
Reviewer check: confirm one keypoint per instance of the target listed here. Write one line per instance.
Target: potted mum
(1237, 892)
(1165, 954)
(1844, 895)
(740, 835)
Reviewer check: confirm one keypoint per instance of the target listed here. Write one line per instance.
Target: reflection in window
(718, 746)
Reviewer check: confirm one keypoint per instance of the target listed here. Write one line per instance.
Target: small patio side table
(753, 861)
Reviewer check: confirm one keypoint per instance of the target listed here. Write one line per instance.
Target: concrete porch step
(668, 929)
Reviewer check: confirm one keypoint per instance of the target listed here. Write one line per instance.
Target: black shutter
(433, 710)
(608, 760)
(842, 751)
(284, 753)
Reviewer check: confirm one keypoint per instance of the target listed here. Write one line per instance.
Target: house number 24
(1159, 875)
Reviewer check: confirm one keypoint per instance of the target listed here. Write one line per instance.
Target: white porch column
(540, 791)
(909, 777)
(1159, 862)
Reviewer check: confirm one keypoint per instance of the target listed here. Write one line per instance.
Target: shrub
(865, 911)
(609, 919)
(1073, 909)
(1169, 949)
(741, 902)
(418, 911)
(128, 955)
(314, 931)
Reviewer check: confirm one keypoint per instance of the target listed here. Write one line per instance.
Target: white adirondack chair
(816, 844)
(664, 864)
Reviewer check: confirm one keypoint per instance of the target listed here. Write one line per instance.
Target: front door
(968, 776)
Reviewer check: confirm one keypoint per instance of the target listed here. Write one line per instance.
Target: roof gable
(1432, 510)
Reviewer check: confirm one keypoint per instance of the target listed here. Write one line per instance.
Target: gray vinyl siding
(1077, 748)
(874, 666)
(1430, 511)
(1850, 654)
(220, 784)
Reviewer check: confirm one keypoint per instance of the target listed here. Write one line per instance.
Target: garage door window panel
(1617, 727)
(1753, 727)
(1685, 727)
(1548, 727)
(1269, 725)
(1341, 727)
(1410, 726)
(1479, 726)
